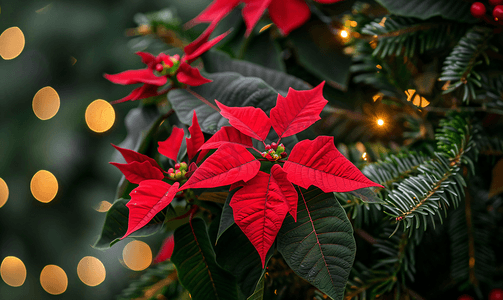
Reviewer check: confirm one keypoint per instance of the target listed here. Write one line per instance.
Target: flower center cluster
(179, 172)
(274, 152)
(168, 68)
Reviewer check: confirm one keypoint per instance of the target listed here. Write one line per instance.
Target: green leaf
(265, 51)
(231, 89)
(258, 294)
(141, 124)
(236, 254)
(216, 61)
(116, 223)
(227, 216)
(319, 52)
(424, 9)
(198, 271)
(320, 246)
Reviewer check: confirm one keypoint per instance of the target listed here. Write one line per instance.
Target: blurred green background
(62, 231)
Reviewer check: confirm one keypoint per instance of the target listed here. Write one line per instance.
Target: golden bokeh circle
(104, 206)
(53, 280)
(137, 255)
(91, 271)
(380, 122)
(46, 103)
(13, 271)
(100, 116)
(4, 192)
(11, 43)
(44, 186)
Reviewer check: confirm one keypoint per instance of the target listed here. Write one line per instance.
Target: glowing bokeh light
(380, 122)
(364, 156)
(11, 43)
(4, 192)
(44, 186)
(46, 103)
(104, 206)
(100, 116)
(13, 271)
(344, 33)
(137, 255)
(53, 280)
(418, 100)
(91, 271)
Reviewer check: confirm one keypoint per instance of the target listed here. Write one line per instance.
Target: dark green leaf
(367, 195)
(258, 294)
(237, 255)
(141, 124)
(265, 51)
(116, 223)
(227, 216)
(320, 246)
(216, 61)
(231, 89)
(424, 9)
(319, 52)
(198, 271)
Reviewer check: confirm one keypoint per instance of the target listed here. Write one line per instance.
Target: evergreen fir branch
(394, 168)
(391, 272)
(490, 145)
(365, 64)
(360, 212)
(470, 230)
(405, 35)
(459, 66)
(492, 90)
(439, 182)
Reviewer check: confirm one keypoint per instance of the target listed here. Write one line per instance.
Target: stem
(169, 113)
(202, 99)
(257, 151)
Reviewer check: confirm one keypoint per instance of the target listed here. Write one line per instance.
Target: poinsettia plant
(219, 167)
(266, 183)
(286, 14)
(165, 72)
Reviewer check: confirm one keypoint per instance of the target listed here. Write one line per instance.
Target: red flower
(286, 14)
(263, 201)
(153, 194)
(163, 67)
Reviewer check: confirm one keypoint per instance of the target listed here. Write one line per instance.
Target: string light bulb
(380, 122)
(344, 33)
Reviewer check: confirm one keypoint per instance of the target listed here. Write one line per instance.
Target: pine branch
(492, 87)
(391, 271)
(471, 236)
(459, 66)
(394, 168)
(399, 35)
(439, 184)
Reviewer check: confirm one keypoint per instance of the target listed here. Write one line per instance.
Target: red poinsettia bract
(264, 199)
(286, 14)
(162, 67)
(153, 194)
